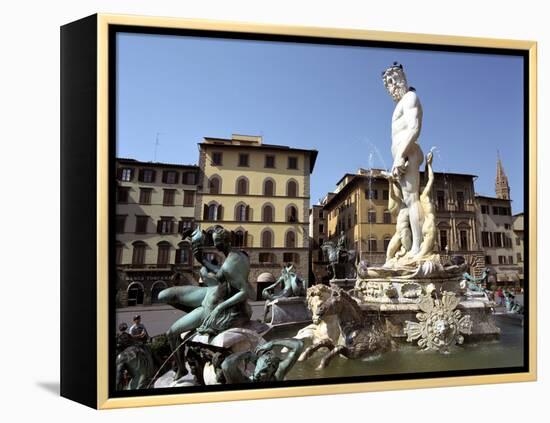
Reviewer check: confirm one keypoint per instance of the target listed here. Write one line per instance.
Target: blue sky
(329, 98)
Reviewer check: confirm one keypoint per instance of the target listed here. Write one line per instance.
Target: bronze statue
(339, 257)
(269, 365)
(291, 285)
(220, 305)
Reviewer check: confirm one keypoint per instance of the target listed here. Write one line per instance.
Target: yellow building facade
(260, 192)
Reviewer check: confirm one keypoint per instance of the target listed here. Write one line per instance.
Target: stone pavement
(157, 318)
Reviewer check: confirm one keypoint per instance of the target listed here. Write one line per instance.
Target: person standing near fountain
(407, 154)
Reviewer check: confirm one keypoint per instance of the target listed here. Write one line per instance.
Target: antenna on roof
(157, 143)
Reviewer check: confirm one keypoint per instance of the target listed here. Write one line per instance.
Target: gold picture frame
(98, 27)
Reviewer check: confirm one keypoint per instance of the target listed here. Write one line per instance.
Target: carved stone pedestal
(396, 314)
(345, 284)
(284, 311)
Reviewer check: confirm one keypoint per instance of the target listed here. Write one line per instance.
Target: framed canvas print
(253, 211)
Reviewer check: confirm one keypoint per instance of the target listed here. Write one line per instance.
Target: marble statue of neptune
(407, 154)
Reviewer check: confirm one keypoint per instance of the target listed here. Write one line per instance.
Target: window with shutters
(188, 198)
(292, 189)
(243, 160)
(242, 212)
(385, 195)
(141, 224)
(269, 161)
(165, 225)
(138, 254)
(122, 194)
(290, 239)
(267, 239)
(169, 196)
(183, 253)
(488, 260)
(145, 195)
(387, 217)
(214, 185)
(291, 214)
(217, 158)
(170, 177)
(119, 248)
(267, 258)
(373, 244)
(289, 258)
(120, 223)
(371, 216)
(147, 175)
(269, 188)
(485, 239)
(239, 238)
(185, 224)
(386, 243)
(163, 257)
(213, 212)
(293, 162)
(498, 240)
(126, 174)
(189, 178)
(242, 186)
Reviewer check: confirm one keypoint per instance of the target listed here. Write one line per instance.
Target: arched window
(290, 239)
(267, 239)
(213, 211)
(138, 255)
(155, 291)
(135, 294)
(269, 188)
(268, 213)
(292, 189)
(163, 257)
(242, 213)
(242, 186)
(239, 238)
(291, 214)
(214, 185)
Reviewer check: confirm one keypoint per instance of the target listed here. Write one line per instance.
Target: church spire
(502, 188)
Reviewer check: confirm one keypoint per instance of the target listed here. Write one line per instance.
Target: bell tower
(502, 189)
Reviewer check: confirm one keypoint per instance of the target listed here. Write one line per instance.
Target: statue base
(285, 311)
(394, 295)
(395, 315)
(345, 284)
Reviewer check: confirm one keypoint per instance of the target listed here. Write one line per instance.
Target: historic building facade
(155, 202)
(518, 243)
(318, 233)
(359, 209)
(261, 193)
(497, 233)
